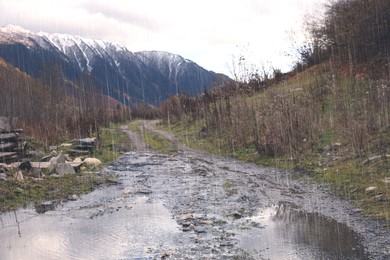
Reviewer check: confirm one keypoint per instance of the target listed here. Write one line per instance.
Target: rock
(185, 224)
(55, 161)
(44, 206)
(206, 222)
(371, 189)
(19, 176)
(186, 229)
(386, 180)
(46, 158)
(3, 177)
(165, 255)
(66, 145)
(36, 173)
(144, 191)
(78, 160)
(74, 197)
(92, 162)
(67, 158)
(128, 191)
(25, 165)
(200, 229)
(184, 217)
(5, 124)
(63, 169)
(378, 198)
(225, 243)
(236, 215)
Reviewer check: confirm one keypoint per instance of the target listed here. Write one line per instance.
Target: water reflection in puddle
(288, 233)
(137, 231)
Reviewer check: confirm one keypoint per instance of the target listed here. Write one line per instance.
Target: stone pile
(11, 140)
(83, 146)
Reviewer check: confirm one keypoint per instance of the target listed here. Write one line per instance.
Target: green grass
(350, 181)
(111, 142)
(153, 140)
(194, 136)
(15, 194)
(159, 143)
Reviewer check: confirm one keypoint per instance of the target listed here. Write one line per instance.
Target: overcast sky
(212, 33)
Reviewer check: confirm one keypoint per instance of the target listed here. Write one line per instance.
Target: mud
(196, 206)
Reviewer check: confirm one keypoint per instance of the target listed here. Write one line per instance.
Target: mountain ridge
(130, 77)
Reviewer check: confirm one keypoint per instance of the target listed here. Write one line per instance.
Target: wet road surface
(194, 206)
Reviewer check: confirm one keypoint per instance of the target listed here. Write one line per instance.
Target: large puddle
(284, 232)
(130, 221)
(135, 231)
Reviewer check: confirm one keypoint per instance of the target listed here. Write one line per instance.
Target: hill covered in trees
(51, 109)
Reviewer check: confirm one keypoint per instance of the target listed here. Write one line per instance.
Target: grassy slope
(332, 157)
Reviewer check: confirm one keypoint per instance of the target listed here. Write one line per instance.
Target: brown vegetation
(51, 109)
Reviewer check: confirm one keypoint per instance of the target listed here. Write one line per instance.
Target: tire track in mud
(193, 205)
(236, 196)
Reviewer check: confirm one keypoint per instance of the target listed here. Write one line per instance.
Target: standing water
(182, 207)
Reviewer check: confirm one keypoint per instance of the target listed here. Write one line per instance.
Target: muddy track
(193, 205)
(249, 182)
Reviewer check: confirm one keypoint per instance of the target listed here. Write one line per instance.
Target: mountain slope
(113, 69)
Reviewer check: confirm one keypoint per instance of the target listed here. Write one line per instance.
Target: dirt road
(193, 205)
(251, 192)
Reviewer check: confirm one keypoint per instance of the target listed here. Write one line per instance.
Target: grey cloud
(121, 15)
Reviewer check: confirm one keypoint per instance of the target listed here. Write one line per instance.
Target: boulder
(92, 162)
(55, 161)
(25, 165)
(63, 169)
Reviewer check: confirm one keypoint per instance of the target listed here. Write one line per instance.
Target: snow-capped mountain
(150, 76)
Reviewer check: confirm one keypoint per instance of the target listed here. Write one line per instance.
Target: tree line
(52, 109)
(353, 31)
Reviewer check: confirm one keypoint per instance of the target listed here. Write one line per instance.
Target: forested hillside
(51, 109)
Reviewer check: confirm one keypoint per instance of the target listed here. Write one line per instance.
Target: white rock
(66, 145)
(92, 162)
(371, 189)
(78, 160)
